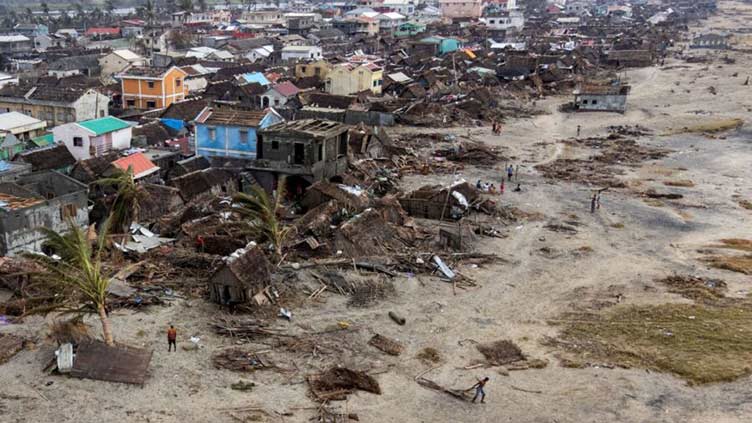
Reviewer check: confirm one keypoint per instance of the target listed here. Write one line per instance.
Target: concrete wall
(311, 53)
(227, 141)
(603, 103)
(118, 140)
(91, 105)
(19, 229)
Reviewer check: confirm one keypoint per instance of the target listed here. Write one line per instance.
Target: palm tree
(45, 9)
(77, 276)
(128, 198)
(147, 10)
(261, 211)
(186, 5)
(202, 5)
(109, 6)
(29, 14)
(79, 11)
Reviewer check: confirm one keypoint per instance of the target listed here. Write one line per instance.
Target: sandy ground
(513, 301)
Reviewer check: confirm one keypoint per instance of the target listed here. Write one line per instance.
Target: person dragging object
(172, 336)
(479, 392)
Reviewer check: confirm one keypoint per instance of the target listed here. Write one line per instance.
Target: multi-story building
(152, 88)
(54, 105)
(460, 8)
(11, 44)
(353, 77)
(228, 132)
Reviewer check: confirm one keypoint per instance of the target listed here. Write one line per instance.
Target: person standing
(592, 203)
(578, 131)
(479, 392)
(172, 336)
(501, 187)
(510, 172)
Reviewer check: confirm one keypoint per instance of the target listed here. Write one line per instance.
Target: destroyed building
(242, 276)
(305, 151)
(602, 98)
(40, 200)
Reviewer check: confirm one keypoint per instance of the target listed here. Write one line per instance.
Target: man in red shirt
(172, 335)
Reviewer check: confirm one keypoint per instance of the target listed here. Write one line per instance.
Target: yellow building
(318, 68)
(351, 78)
(152, 88)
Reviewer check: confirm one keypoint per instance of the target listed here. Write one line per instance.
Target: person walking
(510, 172)
(479, 392)
(578, 131)
(172, 336)
(501, 187)
(592, 203)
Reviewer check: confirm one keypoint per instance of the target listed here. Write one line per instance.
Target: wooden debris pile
(338, 382)
(240, 360)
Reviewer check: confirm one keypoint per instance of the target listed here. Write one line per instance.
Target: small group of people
(488, 187)
(595, 202)
(496, 128)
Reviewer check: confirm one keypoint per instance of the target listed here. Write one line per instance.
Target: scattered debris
(499, 353)
(388, 345)
(10, 345)
(338, 382)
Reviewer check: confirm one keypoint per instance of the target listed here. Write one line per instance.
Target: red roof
(273, 76)
(287, 89)
(141, 165)
(103, 31)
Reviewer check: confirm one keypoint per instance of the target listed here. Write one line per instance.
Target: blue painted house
(231, 132)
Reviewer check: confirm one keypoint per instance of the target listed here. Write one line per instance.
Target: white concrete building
(301, 53)
(513, 20)
(404, 7)
(118, 60)
(94, 138)
(389, 22)
(260, 53)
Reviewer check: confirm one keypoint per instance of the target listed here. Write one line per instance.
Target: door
(298, 154)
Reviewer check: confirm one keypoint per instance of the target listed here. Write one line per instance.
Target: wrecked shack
(245, 273)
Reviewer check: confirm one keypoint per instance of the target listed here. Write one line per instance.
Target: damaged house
(44, 199)
(305, 150)
(241, 278)
(601, 98)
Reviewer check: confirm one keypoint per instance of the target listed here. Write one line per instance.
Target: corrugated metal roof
(104, 125)
(139, 163)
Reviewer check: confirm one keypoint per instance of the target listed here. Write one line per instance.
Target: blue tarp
(256, 77)
(175, 124)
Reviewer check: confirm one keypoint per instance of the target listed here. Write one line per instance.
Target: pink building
(460, 8)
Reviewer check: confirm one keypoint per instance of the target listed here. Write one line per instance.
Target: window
(150, 84)
(130, 103)
(244, 136)
(302, 69)
(342, 147)
(151, 104)
(178, 82)
(212, 134)
(584, 102)
(317, 71)
(78, 142)
(595, 102)
(67, 211)
(101, 113)
(321, 152)
(375, 83)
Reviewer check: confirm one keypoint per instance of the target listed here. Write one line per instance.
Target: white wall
(66, 133)
(302, 55)
(86, 106)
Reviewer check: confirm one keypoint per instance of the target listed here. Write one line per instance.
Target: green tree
(202, 5)
(109, 6)
(77, 277)
(29, 14)
(261, 211)
(46, 9)
(186, 5)
(129, 196)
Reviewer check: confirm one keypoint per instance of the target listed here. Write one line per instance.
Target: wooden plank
(122, 364)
